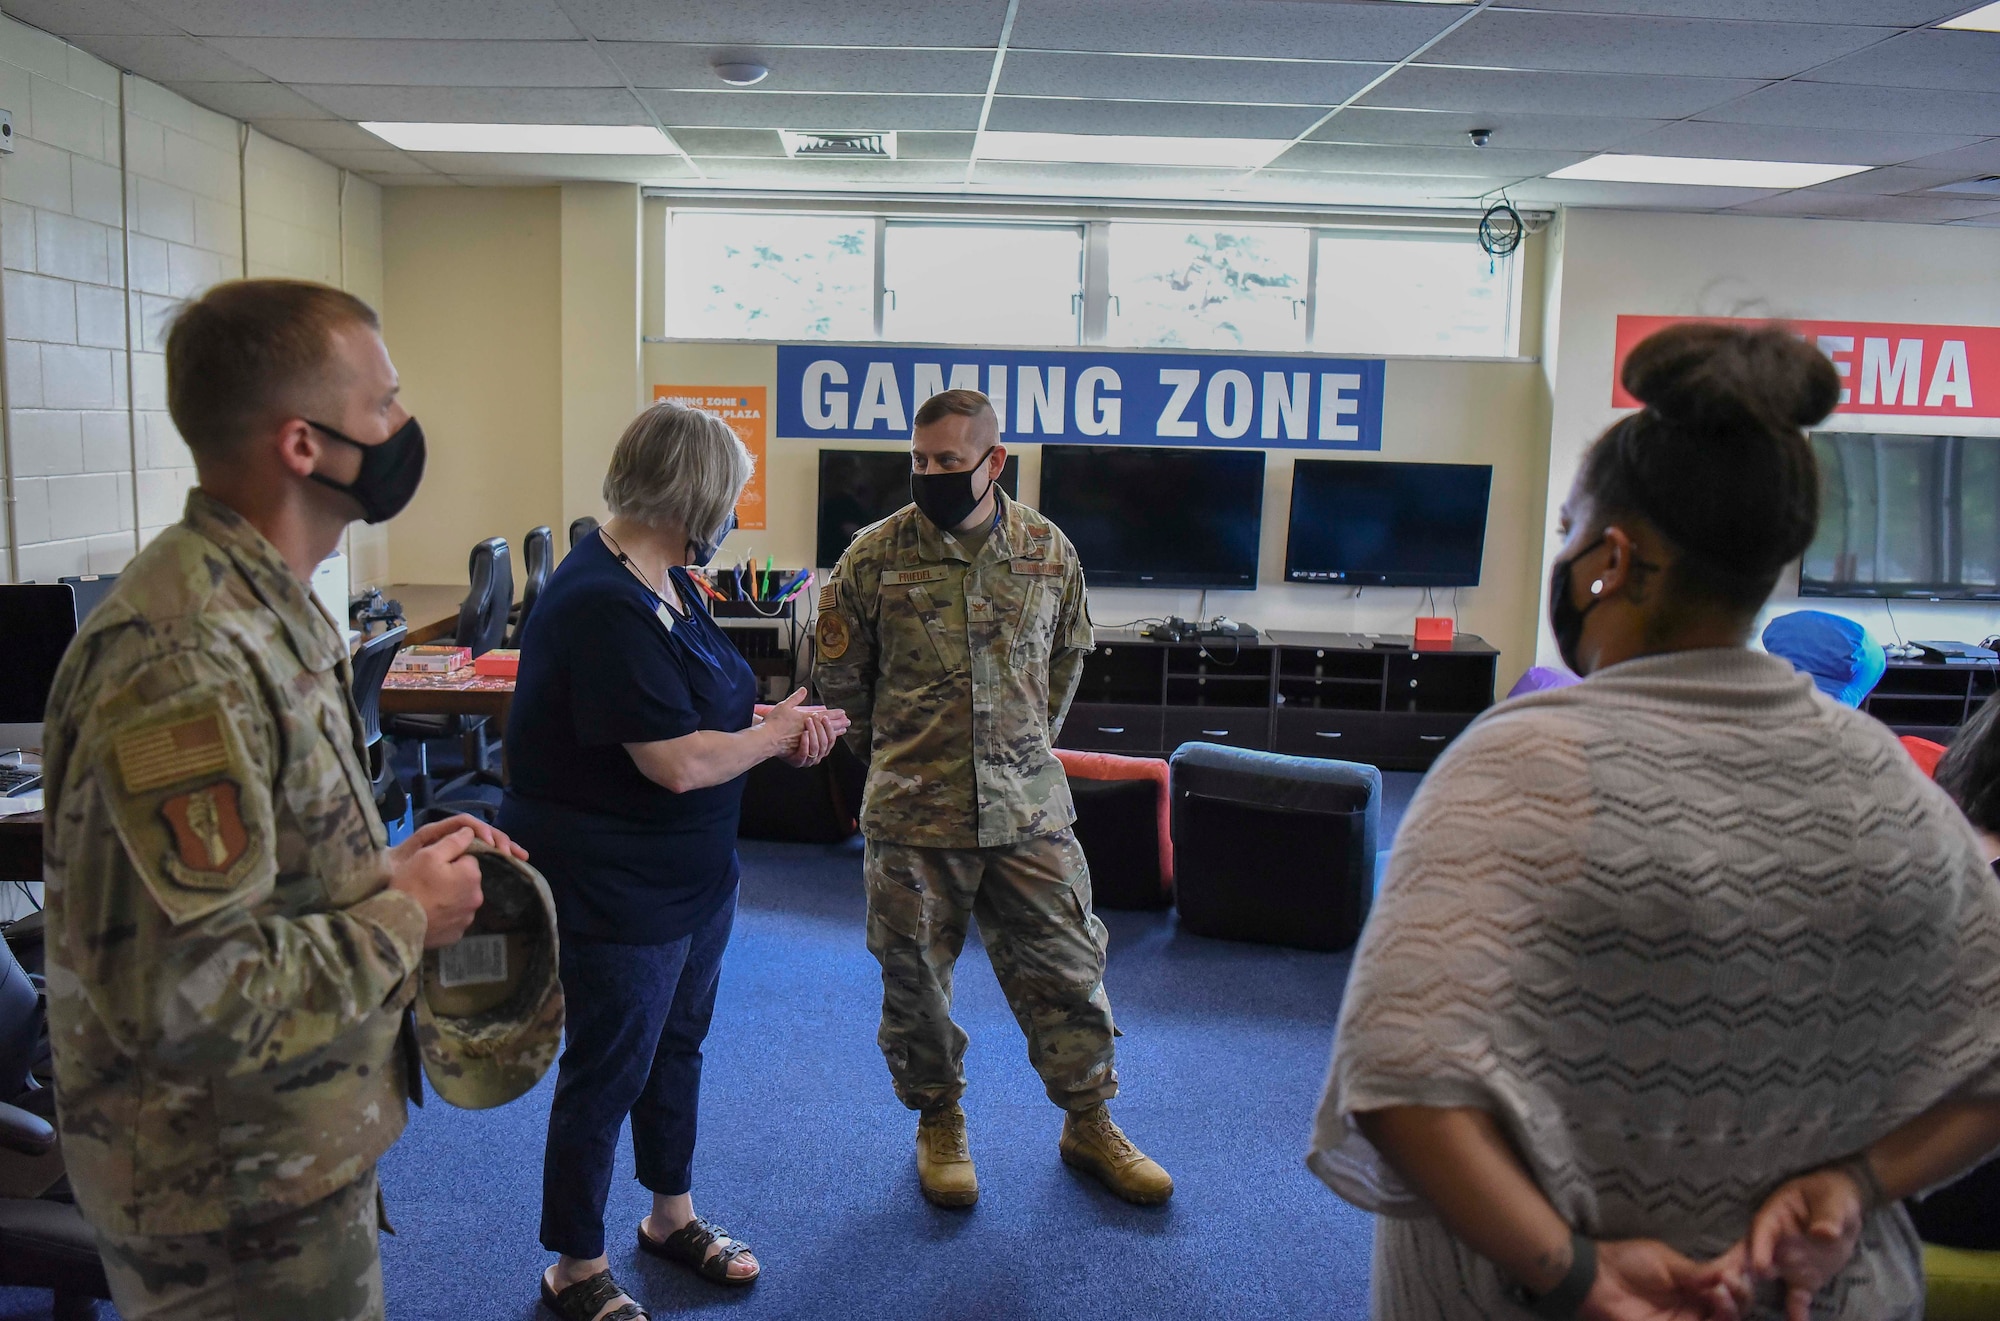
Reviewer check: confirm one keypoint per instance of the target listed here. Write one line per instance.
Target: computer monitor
(1158, 516)
(1359, 523)
(37, 621)
(91, 589)
(860, 487)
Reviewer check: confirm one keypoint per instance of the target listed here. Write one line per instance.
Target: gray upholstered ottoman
(1273, 848)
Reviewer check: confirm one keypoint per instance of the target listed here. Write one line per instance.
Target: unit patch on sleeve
(209, 835)
(832, 637)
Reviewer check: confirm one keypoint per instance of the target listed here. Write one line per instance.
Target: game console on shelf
(1176, 629)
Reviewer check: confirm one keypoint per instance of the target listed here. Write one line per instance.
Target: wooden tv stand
(1371, 698)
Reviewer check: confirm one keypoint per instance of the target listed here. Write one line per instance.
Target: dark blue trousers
(636, 1018)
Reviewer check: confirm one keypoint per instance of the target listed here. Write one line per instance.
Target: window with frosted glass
(1421, 294)
(737, 276)
(1208, 286)
(982, 284)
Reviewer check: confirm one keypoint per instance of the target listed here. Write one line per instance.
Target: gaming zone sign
(1885, 367)
(1098, 397)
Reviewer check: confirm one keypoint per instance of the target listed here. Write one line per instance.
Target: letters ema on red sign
(1885, 367)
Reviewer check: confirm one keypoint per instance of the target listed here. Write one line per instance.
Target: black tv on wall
(1157, 516)
(1905, 516)
(1363, 524)
(860, 487)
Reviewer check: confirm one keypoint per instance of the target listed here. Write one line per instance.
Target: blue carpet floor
(806, 1153)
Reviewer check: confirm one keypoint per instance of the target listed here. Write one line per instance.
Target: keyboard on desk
(18, 780)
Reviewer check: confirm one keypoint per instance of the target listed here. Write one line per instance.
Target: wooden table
(463, 692)
(430, 609)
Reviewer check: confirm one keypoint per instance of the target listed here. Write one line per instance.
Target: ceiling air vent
(1986, 185)
(868, 146)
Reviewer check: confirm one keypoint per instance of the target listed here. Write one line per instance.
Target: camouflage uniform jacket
(956, 676)
(227, 969)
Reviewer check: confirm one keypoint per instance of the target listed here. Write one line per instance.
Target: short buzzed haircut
(948, 403)
(248, 351)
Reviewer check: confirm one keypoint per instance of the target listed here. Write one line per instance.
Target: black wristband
(1565, 1301)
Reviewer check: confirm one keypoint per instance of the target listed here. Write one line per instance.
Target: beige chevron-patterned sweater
(1686, 929)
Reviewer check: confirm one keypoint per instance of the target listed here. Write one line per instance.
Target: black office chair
(44, 1241)
(579, 528)
(371, 666)
(538, 557)
(482, 626)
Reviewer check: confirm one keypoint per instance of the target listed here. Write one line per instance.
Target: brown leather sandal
(583, 1300)
(689, 1245)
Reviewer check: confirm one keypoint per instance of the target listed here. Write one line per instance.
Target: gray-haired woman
(633, 727)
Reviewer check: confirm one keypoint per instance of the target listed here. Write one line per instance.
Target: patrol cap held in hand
(490, 1011)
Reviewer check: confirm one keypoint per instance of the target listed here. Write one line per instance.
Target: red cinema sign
(1885, 367)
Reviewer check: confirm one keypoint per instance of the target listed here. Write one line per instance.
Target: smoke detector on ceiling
(1986, 185)
(868, 146)
(741, 73)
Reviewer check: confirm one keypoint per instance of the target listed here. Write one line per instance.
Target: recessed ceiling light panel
(1107, 149)
(1986, 18)
(534, 139)
(1704, 171)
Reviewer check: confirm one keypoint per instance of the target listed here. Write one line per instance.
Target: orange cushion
(1926, 753)
(1111, 766)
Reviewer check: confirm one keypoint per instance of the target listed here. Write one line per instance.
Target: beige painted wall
(472, 313)
(1615, 262)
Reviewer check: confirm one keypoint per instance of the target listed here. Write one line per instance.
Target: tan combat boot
(944, 1163)
(1098, 1147)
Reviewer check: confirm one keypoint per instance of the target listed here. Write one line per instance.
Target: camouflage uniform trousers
(318, 1263)
(1032, 900)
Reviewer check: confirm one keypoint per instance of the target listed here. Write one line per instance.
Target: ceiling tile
(370, 62)
(934, 146)
(850, 114)
(1193, 119)
(169, 59)
(1949, 61)
(1256, 28)
(1448, 128)
(1980, 158)
(1591, 43)
(1881, 13)
(1466, 162)
(1636, 196)
(251, 100)
(480, 105)
(1368, 189)
(512, 20)
(1890, 179)
(1168, 78)
(699, 141)
(432, 180)
(1787, 142)
(1103, 180)
(1421, 87)
(828, 173)
(500, 165)
(1810, 202)
(375, 162)
(71, 18)
(682, 67)
(1982, 222)
(318, 134)
(1879, 109)
(769, 23)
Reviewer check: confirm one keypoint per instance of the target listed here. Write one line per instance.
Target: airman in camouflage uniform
(956, 668)
(228, 961)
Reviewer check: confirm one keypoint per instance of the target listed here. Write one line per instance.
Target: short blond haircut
(677, 464)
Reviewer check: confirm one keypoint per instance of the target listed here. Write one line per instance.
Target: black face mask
(701, 552)
(1565, 616)
(946, 498)
(389, 472)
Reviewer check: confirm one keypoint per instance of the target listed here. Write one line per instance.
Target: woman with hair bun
(1681, 977)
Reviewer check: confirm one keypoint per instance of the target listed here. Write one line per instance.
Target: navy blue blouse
(604, 663)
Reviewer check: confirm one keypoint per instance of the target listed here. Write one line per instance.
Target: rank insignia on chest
(209, 835)
(832, 637)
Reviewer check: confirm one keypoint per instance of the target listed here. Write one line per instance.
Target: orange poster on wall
(742, 407)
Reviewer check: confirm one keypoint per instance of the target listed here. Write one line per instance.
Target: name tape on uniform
(1088, 396)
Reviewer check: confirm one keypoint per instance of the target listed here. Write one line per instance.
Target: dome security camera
(1480, 136)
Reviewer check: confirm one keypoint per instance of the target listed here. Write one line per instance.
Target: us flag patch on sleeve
(161, 755)
(829, 596)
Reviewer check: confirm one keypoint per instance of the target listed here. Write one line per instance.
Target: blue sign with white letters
(1087, 396)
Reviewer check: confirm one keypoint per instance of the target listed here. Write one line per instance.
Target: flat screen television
(1365, 524)
(1152, 516)
(860, 487)
(1905, 516)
